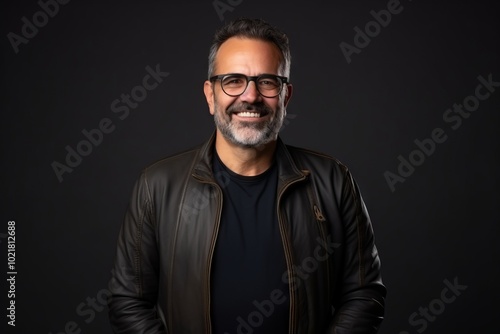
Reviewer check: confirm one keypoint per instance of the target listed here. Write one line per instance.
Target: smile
(248, 114)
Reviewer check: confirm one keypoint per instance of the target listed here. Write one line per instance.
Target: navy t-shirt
(248, 293)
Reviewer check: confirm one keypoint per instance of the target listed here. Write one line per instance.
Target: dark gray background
(441, 223)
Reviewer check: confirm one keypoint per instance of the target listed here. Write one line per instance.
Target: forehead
(247, 56)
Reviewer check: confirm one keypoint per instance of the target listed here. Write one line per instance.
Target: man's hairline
(282, 62)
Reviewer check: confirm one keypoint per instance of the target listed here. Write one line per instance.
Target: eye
(233, 80)
(268, 82)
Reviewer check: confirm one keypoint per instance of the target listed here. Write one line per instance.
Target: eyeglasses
(235, 84)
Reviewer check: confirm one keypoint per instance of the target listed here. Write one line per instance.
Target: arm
(134, 282)
(360, 297)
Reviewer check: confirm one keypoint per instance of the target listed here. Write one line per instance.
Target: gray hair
(255, 29)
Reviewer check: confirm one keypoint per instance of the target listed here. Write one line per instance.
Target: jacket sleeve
(360, 298)
(134, 282)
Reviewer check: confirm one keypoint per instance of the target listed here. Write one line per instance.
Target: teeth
(249, 114)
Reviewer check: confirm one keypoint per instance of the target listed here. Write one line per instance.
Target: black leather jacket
(161, 279)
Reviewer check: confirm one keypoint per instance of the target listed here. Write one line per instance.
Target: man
(245, 234)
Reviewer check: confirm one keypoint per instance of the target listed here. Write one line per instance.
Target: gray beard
(249, 134)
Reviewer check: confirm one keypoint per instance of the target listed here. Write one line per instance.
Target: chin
(247, 135)
(254, 140)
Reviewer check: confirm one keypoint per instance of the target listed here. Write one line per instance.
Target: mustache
(244, 106)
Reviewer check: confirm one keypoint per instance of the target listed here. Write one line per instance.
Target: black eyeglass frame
(255, 78)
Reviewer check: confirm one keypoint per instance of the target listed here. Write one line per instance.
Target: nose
(251, 94)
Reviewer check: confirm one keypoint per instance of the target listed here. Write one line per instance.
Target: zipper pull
(319, 215)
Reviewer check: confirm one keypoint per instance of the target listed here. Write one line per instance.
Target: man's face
(248, 120)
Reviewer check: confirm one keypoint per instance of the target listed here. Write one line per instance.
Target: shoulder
(173, 166)
(326, 172)
(307, 159)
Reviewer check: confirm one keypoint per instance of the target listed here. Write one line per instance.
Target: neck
(246, 161)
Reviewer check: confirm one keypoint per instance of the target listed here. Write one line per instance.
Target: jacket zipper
(288, 258)
(320, 219)
(211, 251)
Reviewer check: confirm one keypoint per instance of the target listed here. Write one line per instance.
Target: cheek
(221, 104)
(274, 105)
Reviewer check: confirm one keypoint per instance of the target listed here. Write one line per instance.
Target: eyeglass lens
(267, 85)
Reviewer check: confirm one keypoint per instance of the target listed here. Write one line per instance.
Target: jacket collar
(288, 170)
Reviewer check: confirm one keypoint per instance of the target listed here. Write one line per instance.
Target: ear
(288, 95)
(209, 95)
